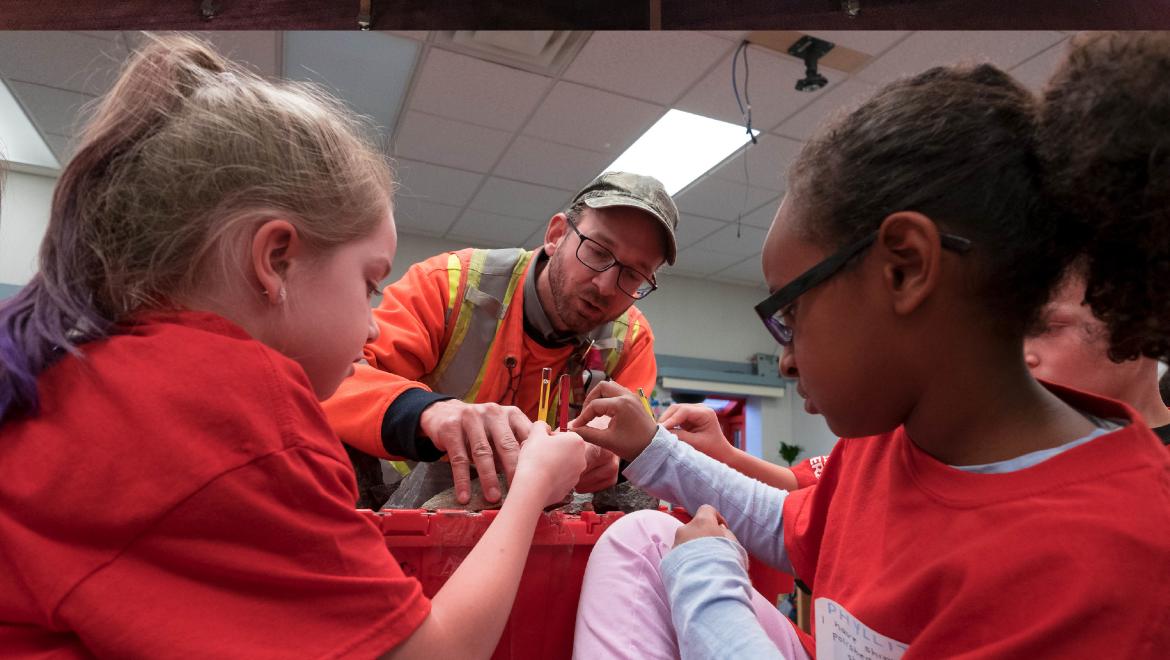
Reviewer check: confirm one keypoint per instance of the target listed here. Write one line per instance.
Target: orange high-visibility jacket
(413, 323)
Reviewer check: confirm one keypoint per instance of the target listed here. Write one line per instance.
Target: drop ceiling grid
(546, 160)
(1002, 48)
(749, 271)
(53, 80)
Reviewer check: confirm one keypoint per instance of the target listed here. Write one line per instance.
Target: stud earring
(280, 298)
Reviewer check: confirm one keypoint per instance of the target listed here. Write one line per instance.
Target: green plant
(790, 452)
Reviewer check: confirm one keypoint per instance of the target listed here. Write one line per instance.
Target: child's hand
(630, 428)
(552, 462)
(698, 426)
(601, 470)
(707, 522)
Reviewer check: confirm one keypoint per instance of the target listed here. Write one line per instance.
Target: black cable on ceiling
(745, 109)
(745, 106)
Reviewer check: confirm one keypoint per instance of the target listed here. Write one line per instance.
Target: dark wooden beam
(917, 14)
(324, 14)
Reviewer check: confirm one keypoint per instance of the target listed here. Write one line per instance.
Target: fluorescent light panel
(20, 142)
(680, 147)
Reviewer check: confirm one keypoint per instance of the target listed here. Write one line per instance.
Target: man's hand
(707, 522)
(601, 470)
(468, 432)
(698, 426)
(630, 428)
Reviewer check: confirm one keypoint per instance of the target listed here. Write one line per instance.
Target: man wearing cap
(464, 336)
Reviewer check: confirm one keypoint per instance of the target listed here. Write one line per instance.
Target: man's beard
(563, 299)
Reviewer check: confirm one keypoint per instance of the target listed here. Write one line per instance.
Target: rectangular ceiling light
(680, 147)
(20, 142)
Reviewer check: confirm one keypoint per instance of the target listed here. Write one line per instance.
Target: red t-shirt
(808, 471)
(180, 494)
(1069, 558)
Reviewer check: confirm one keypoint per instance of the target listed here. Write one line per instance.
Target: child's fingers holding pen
(630, 429)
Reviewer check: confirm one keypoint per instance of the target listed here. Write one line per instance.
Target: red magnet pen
(563, 417)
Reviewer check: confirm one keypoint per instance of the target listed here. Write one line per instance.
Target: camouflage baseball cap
(637, 191)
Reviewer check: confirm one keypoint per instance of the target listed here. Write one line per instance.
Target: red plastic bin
(430, 546)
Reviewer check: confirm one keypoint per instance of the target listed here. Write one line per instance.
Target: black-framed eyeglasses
(773, 310)
(598, 258)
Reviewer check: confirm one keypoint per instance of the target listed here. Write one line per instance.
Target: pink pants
(624, 612)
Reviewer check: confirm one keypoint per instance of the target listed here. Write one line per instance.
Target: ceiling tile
(734, 281)
(694, 261)
(556, 165)
(656, 66)
(493, 229)
(842, 98)
(590, 119)
(763, 216)
(536, 239)
(417, 35)
(748, 271)
(694, 228)
(1035, 72)
(713, 197)
(448, 142)
(67, 60)
(108, 35)
(62, 146)
(767, 162)
(258, 50)
(434, 183)
(52, 110)
(770, 87)
(744, 240)
(730, 35)
(870, 42)
(134, 40)
(370, 71)
(921, 50)
(415, 216)
(472, 90)
(521, 200)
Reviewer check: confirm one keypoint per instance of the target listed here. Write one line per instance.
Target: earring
(280, 298)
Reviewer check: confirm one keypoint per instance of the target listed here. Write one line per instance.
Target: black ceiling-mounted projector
(811, 50)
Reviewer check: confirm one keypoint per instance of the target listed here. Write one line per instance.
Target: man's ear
(558, 226)
(274, 245)
(908, 244)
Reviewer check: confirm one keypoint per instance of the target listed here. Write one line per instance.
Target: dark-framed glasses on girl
(777, 307)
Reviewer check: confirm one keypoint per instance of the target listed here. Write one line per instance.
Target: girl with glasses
(968, 510)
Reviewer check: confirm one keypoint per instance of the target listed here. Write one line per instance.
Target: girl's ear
(908, 243)
(274, 245)
(558, 226)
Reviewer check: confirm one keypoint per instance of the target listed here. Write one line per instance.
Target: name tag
(842, 636)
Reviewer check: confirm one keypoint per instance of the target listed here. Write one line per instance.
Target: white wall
(24, 215)
(704, 319)
(809, 431)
